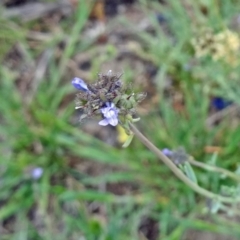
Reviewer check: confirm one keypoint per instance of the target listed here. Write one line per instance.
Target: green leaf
(190, 172)
(128, 141)
(88, 195)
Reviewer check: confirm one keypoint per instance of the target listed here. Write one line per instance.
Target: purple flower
(167, 152)
(110, 113)
(220, 103)
(79, 84)
(36, 173)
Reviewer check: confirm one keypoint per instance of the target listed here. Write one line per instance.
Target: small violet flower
(110, 113)
(79, 84)
(36, 173)
(167, 152)
(219, 103)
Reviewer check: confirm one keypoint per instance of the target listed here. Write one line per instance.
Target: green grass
(90, 190)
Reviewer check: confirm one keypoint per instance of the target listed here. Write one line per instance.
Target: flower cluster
(107, 97)
(221, 46)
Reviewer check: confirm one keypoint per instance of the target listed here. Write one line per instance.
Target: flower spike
(109, 98)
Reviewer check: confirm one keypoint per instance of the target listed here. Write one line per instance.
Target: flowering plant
(107, 97)
(116, 104)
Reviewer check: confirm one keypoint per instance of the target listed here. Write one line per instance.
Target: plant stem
(178, 173)
(214, 169)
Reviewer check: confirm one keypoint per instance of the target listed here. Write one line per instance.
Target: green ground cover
(90, 189)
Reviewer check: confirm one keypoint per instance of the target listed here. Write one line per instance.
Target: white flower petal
(109, 114)
(113, 121)
(104, 110)
(112, 105)
(104, 122)
(108, 104)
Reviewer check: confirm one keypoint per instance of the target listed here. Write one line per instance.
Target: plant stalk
(178, 173)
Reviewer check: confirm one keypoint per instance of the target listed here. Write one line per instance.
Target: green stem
(214, 169)
(178, 173)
